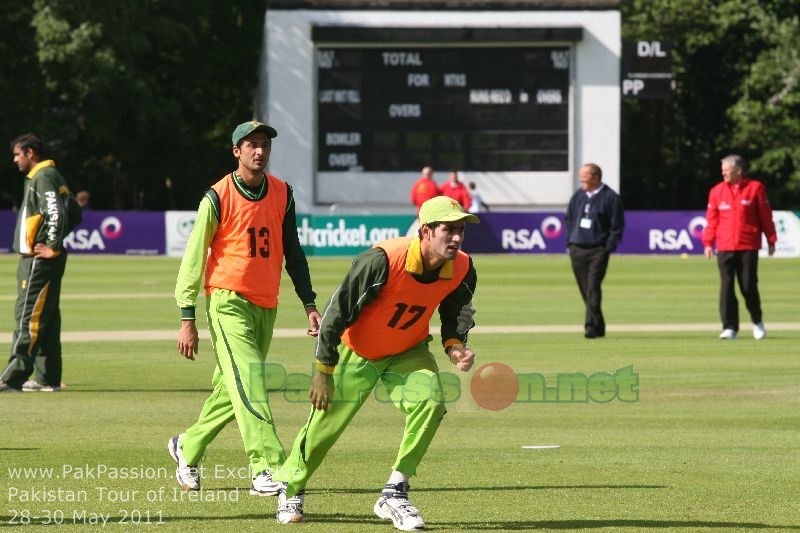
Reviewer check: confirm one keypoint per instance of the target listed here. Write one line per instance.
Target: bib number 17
(416, 312)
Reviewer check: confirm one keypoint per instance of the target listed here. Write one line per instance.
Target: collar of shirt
(251, 193)
(589, 194)
(741, 184)
(415, 265)
(40, 165)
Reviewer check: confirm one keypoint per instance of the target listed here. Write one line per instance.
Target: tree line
(137, 99)
(736, 66)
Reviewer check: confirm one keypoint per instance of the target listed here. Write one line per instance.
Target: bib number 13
(259, 241)
(416, 312)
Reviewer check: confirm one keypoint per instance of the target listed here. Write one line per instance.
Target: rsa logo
(529, 239)
(677, 239)
(86, 239)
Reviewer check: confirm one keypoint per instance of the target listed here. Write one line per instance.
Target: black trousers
(37, 316)
(589, 266)
(741, 266)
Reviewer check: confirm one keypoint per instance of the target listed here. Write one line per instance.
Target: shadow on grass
(374, 490)
(487, 525)
(527, 525)
(19, 449)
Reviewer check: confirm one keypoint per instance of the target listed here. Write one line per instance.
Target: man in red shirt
(738, 212)
(424, 188)
(456, 190)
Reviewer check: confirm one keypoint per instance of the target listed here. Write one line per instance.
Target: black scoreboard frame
(354, 135)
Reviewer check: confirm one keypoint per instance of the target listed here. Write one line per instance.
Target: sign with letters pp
(646, 69)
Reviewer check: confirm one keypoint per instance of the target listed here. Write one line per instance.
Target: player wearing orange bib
(375, 328)
(244, 230)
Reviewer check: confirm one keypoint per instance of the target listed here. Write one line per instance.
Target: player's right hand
(42, 251)
(188, 339)
(314, 320)
(321, 391)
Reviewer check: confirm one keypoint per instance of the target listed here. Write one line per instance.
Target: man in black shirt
(594, 223)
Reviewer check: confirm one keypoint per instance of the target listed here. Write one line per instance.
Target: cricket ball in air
(494, 386)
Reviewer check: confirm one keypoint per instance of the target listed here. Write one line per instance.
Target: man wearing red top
(456, 190)
(738, 212)
(424, 188)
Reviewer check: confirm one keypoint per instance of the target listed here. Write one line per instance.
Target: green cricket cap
(246, 128)
(444, 209)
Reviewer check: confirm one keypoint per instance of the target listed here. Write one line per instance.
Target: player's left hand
(314, 320)
(461, 356)
(42, 251)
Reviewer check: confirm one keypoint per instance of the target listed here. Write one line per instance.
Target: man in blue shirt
(594, 223)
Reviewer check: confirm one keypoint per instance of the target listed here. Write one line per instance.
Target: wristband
(325, 369)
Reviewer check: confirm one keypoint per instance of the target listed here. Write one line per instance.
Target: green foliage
(731, 58)
(766, 115)
(69, 57)
(22, 92)
(139, 98)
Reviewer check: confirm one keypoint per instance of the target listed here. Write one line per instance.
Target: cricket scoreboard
(487, 107)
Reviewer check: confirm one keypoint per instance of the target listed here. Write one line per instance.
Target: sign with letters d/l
(646, 69)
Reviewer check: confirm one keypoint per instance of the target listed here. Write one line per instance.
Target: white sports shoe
(290, 510)
(264, 485)
(187, 475)
(34, 386)
(759, 332)
(727, 335)
(394, 505)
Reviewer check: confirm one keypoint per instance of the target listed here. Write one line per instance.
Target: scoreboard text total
(500, 108)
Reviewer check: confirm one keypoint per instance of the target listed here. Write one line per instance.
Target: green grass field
(711, 445)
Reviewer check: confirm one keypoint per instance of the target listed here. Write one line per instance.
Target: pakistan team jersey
(384, 305)
(240, 239)
(42, 217)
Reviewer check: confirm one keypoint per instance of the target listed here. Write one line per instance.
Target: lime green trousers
(241, 333)
(409, 380)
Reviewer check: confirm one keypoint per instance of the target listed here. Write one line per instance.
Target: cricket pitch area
(709, 443)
